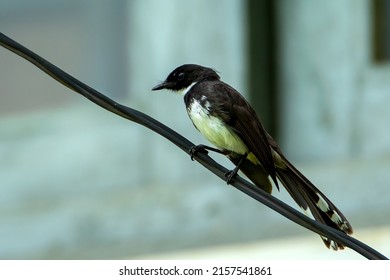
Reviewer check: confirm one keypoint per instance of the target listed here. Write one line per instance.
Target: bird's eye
(180, 77)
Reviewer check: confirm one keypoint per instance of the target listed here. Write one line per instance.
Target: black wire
(184, 144)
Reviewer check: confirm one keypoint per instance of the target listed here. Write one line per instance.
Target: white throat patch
(187, 89)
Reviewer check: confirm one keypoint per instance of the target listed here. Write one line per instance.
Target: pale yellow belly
(216, 132)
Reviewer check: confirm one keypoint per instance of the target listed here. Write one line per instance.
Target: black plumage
(228, 121)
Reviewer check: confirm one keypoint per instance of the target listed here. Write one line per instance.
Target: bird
(228, 121)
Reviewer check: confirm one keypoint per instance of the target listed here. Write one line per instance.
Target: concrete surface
(307, 247)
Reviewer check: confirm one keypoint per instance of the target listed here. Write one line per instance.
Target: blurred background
(77, 182)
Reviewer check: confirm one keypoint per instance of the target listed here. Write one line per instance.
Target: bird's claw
(196, 149)
(230, 175)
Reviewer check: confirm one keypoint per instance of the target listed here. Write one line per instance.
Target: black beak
(163, 85)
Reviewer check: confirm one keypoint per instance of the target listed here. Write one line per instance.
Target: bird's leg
(203, 148)
(230, 174)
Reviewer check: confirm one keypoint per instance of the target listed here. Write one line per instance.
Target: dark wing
(242, 118)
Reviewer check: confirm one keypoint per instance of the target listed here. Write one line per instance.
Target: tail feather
(304, 193)
(308, 197)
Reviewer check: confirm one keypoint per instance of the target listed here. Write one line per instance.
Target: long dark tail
(305, 194)
(308, 197)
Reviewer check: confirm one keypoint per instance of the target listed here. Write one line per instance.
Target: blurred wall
(78, 182)
(334, 116)
(325, 60)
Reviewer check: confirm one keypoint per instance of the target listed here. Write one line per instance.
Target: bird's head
(185, 76)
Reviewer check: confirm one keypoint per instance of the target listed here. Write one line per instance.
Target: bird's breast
(213, 128)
